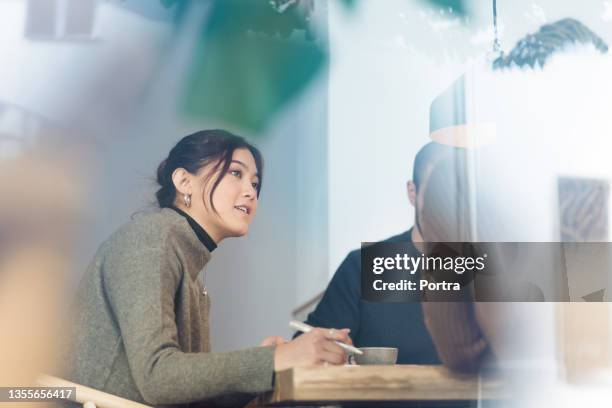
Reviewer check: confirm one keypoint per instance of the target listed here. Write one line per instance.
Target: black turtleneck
(199, 231)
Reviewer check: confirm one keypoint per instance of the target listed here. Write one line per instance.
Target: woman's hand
(273, 341)
(315, 347)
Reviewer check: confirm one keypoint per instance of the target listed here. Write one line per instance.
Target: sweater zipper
(204, 290)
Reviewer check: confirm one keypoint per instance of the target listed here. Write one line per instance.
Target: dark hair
(427, 157)
(445, 212)
(198, 150)
(535, 49)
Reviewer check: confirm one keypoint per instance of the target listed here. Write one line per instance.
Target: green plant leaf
(169, 3)
(458, 6)
(244, 69)
(349, 4)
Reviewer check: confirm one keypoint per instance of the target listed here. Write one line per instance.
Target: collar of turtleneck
(200, 232)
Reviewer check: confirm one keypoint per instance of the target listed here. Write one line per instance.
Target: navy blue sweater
(375, 324)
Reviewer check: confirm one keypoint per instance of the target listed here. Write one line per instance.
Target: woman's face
(235, 199)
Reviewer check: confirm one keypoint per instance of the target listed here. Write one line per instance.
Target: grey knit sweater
(142, 321)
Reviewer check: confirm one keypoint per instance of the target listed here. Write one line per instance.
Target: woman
(142, 321)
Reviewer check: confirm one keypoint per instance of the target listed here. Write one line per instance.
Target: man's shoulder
(350, 269)
(403, 237)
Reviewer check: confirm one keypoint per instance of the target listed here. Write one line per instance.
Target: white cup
(375, 356)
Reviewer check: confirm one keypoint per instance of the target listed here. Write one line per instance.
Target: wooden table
(360, 384)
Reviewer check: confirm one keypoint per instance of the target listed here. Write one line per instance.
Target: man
(375, 324)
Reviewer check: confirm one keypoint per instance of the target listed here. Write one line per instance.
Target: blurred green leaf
(458, 6)
(169, 3)
(349, 4)
(243, 72)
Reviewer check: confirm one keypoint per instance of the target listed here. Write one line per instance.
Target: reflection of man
(376, 324)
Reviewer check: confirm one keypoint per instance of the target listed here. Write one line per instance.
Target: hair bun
(161, 172)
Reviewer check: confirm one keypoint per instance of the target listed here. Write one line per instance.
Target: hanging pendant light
(452, 123)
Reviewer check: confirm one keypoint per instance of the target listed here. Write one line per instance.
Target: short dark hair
(536, 49)
(441, 179)
(198, 150)
(427, 156)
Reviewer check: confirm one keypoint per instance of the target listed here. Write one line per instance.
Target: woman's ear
(182, 181)
(411, 189)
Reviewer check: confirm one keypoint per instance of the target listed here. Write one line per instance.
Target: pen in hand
(304, 328)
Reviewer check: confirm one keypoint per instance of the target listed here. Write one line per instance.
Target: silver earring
(187, 200)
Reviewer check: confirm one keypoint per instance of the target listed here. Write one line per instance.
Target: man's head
(424, 161)
(437, 191)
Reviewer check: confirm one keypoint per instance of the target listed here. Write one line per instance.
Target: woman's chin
(239, 231)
